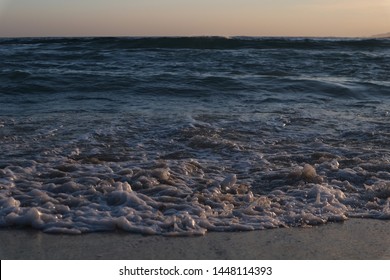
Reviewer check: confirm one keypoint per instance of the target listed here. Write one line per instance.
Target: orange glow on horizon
(175, 18)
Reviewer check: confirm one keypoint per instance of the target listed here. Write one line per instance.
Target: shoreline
(353, 239)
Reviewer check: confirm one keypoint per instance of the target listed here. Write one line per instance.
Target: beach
(352, 240)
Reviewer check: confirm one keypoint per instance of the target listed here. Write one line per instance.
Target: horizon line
(197, 36)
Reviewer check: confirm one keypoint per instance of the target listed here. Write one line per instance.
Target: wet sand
(354, 239)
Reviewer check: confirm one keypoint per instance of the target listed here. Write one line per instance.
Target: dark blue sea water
(180, 136)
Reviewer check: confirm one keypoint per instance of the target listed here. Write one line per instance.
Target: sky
(345, 18)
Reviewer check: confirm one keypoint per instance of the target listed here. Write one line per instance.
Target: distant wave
(325, 67)
(212, 42)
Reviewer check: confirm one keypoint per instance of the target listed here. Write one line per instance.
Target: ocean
(181, 136)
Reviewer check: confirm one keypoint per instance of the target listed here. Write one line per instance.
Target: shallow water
(180, 136)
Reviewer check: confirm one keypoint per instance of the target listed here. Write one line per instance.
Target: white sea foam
(182, 200)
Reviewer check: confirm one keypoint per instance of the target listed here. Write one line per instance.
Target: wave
(203, 42)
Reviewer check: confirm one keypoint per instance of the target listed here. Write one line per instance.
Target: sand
(354, 239)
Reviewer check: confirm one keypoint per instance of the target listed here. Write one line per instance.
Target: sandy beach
(353, 239)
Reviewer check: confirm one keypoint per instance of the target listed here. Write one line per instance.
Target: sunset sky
(194, 17)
